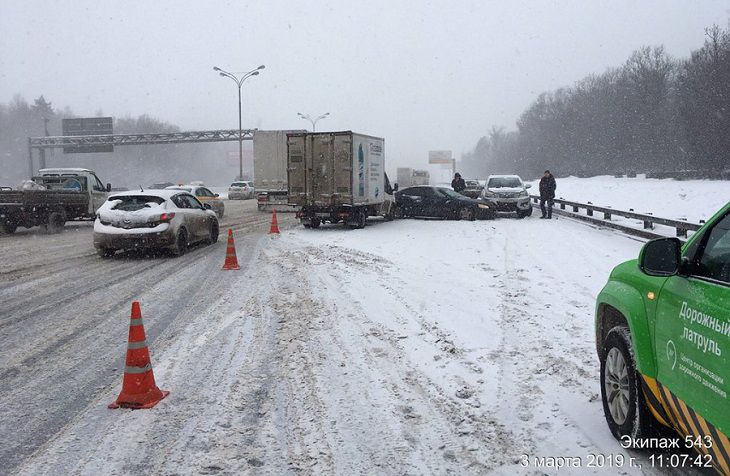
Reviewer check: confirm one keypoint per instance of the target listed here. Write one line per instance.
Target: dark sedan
(440, 202)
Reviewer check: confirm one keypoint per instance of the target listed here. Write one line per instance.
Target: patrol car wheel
(624, 407)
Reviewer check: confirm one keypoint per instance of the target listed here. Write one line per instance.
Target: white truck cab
(97, 191)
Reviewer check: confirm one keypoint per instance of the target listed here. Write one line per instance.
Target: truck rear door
(297, 169)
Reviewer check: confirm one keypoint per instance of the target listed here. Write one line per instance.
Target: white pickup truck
(62, 194)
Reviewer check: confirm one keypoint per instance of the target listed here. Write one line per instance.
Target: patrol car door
(692, 331)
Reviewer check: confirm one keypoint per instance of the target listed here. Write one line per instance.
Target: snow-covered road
(410, 347)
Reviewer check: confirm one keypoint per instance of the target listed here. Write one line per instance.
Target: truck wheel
(624, 406)
(315, 223)
(8, 228)
(55, 223)
(361, 218)
(181, 243)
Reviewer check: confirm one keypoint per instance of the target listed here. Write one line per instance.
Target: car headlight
(524, 194)
(481, 205)
(488, 193)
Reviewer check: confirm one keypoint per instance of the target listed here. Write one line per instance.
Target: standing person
(547, 194)
(458, 183)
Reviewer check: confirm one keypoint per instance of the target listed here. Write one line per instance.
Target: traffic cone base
(231, 261)
(274, 230)
(129, 401)
(139, 389)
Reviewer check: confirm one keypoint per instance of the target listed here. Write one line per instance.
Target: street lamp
(239, 83)
(313, 121)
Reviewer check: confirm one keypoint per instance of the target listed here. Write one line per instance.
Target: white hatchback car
(508, 194)
(241, 190)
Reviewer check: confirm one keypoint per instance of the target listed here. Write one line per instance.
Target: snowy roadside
(693, 200)
(408, 347)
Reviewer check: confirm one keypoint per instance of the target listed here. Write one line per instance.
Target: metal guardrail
(681, 226)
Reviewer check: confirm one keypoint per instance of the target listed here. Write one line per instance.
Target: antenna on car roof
(141, 189)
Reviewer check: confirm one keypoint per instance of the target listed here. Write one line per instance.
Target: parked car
(442, 202)
(508, 193)
(160, 219)
(241, 190)
(204, 195)
(160, 185)
(663, 337)
(473, 188)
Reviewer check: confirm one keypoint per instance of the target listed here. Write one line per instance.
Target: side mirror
(661, 257)
(108, 187)
(395, 187)
(528, 185)
(217, 195)
(207, 206)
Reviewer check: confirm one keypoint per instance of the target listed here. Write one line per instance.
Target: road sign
(88, 126)
(442, 157)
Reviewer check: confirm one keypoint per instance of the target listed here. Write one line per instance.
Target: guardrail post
(562, 205)
(682, 231)
(575, 209)
(648, 225)
(606, 215)
(589, 211)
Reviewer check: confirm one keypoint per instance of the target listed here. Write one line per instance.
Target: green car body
(677, 327)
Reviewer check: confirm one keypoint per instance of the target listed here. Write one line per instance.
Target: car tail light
(343, 214)
(300, 214)
(167, 217)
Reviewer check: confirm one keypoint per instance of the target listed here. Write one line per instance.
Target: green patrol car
(663, 339)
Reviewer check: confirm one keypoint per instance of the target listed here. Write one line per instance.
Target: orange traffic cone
(138, 387)
(274, 224)
(231, 260)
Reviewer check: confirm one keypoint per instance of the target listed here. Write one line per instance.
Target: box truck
(338, 177)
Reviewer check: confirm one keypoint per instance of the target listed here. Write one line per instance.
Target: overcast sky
(424, 75)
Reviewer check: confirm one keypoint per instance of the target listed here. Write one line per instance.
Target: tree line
(652, 114)
(128, 166)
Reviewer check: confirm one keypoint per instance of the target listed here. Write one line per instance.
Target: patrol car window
(204, 192)
(715, 260)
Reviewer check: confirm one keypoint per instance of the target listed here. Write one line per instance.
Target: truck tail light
(343, 215)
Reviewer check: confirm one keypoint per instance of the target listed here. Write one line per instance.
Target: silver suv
(508, 194)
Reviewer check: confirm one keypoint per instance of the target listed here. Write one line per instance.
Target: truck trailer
(269, 168)
(338, 177)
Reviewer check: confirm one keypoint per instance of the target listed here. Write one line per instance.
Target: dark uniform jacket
(547, 187)
(458, 185)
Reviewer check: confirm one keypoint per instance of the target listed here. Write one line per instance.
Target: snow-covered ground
(411, 347)
(694, 200)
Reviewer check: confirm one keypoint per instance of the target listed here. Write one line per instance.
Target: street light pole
(239, 83)
(313, 121)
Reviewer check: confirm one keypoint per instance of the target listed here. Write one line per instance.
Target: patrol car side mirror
(661, 257)
(108, 187)
(528, 185)
(395, 187)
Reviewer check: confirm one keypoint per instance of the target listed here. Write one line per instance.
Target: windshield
(505, 182)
